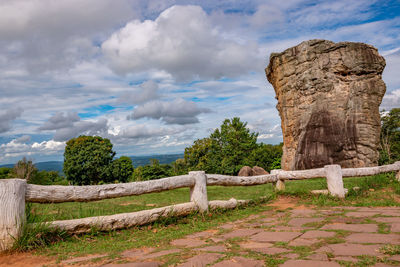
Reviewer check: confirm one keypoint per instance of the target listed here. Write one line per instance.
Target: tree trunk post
(334, 180)
(398, 171)
(198, 193)
(12, 211)
(280, 184)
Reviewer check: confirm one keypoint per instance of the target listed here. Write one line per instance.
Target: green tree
(48, 178)
(390, 137)
(121, 169)
(24, 169)
(231, 146)
(225, 151)
(266, 156)
(197, 156)
(179, 167)
(153, 171)
(87, 160)
(5, 172)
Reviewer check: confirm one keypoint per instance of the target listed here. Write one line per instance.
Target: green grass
(385, 191)
(73, 210)
(161, 232)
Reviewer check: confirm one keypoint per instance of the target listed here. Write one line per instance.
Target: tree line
(90, 159)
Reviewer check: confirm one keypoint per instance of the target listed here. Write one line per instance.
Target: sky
(153, 76)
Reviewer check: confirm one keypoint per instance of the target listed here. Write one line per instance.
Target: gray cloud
(145, 92)
(46, 35)
(70, 125)
(59, 121)
(391, 100)
(178, 111)
(143, 131)
(183, 42)
(6, 118)
(81, 127)
(23, 139)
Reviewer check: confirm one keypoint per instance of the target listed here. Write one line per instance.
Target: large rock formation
(328, 99)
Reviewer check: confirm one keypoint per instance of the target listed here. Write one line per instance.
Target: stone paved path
(338, 236)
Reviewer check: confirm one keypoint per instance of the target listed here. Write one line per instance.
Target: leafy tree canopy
(390, 137)
(122, 169)
(153, 171)
(229, 148)
(87, 160)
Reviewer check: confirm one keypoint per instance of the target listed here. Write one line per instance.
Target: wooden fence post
(198, 193)
(12, 211)
(398, 170)
(280, 184)
(334, 180)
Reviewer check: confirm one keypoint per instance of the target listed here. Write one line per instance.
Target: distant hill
(137, 161)
(163, 159)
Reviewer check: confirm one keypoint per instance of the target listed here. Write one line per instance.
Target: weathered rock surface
(259, 171)
(247, 171)
(328, 99)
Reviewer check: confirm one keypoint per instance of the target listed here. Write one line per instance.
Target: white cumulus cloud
(183, 42)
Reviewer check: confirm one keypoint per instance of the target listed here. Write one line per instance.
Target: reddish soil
(24, 260)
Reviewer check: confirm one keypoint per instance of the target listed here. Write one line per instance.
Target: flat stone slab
(160, 253)
(135, 264)
(291, 256)
(265, 248)
(84, 258)
(204, 234)
(318, 234)
(309, 263)
(387, 219)
(267, 220)
(365, 228)
(275, 236)
(302, 221)
(395, 258)
(241, 233)
(303, 242)
(362, 214)
(201, 260)
(240, 262)
(345, 258)
(227, 226)
(187, 242)
(351, 249)
(395, 227)
(135, 253)
(302, 213)
(254, 245)
(289, 228)
(391, 212)
(374, 238)
(213, 249)
(318, 257)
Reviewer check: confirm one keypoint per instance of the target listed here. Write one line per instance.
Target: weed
(390, 249)
(36, 233)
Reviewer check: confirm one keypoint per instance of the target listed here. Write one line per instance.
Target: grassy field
(379, 190)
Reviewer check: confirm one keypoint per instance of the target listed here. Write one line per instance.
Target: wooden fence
(15, 192)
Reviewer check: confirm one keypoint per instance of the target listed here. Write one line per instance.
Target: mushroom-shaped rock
(328, 99)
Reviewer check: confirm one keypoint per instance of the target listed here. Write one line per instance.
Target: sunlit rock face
(328, 99)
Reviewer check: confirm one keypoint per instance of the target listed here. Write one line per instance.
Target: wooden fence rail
(14, 193)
